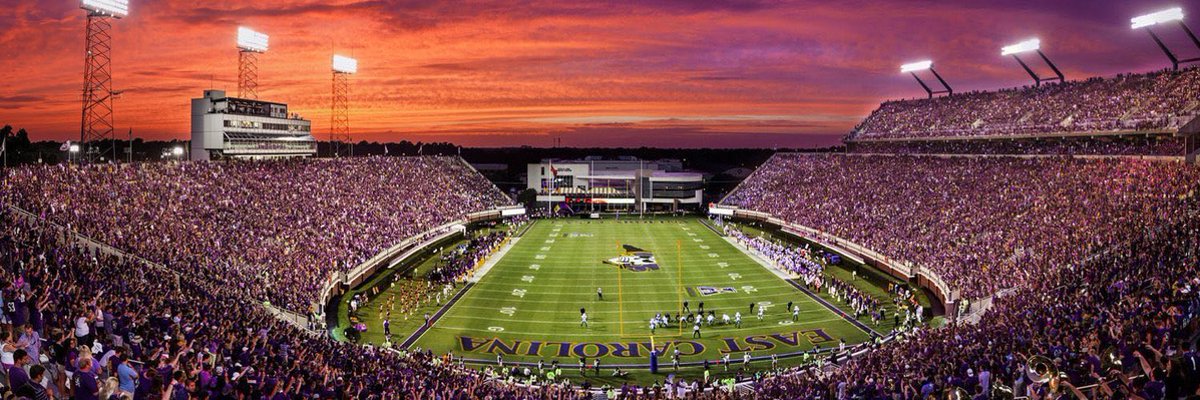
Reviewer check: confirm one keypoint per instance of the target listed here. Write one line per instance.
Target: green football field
(527, 306)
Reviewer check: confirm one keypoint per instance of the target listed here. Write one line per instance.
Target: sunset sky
(686, 73)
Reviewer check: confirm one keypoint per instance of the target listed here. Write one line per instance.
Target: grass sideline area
(867, 279)
(527, 306)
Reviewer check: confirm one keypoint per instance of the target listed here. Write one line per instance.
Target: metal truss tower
(96, 130)
(339, 120)
(248, 74)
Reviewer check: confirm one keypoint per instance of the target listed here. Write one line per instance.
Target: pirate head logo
(634, 259)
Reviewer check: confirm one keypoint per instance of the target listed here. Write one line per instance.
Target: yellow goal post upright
(679, 282)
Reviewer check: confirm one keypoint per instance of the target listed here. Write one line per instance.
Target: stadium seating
(980, 223)
(1099, 257)
(272, 231)
(1083, 245)
(188, 333)
(1117, 326)
(1140, 102)
(1087, 146)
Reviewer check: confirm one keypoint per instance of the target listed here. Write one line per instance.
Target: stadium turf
(527, 307)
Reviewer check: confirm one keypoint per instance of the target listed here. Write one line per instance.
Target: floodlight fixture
(1023, 47)
(1174, 14)
(113, 8)
(1148, 21)
(249, 40)
(345, 65)
(916, 66)
(74, 148)
(1032, 45)
(177, 151)
(250, 43)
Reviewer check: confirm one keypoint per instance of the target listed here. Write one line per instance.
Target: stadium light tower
(250, 44)
(339, 117)
(96, 124)
(913, 68)
(1032, 45)
(1148, 21)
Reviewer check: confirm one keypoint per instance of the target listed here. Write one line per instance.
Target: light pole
(1171, 15)
(73, 152)
(1032, 45)
(913, 68)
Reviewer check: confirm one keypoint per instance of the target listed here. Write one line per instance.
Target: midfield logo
(634, 259)
(710, 290)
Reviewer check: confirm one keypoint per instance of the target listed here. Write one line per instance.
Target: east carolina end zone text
(637, 349)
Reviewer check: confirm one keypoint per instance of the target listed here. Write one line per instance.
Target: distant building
(228, 127)
(626, 184)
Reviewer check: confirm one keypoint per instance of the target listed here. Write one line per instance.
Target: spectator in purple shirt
(84, 381)
(16, 373)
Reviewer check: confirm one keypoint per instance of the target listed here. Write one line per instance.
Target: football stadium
(1037, 241)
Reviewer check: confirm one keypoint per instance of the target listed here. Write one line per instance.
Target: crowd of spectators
(981, 224)
(125, 329)
(1100, 256)
(1161, 100)
(1107, 146)
(1122, 325)
(275, 231)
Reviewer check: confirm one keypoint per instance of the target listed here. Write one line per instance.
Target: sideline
(758, 257)
(492, 260)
